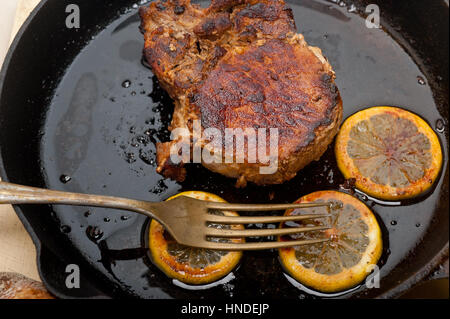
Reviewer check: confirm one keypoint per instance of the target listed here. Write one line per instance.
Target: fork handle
(19, 194)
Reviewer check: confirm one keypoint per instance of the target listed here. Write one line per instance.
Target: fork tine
(259, 245)
(214, 232)
(263, 207)
(259, 219)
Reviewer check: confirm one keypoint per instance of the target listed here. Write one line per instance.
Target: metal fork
(188, 220)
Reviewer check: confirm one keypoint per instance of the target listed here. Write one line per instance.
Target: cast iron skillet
(79, 103)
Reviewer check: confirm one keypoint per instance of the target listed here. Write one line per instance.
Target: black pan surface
(79, 111)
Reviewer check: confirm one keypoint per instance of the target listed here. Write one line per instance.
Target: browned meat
(241, 64)
(16, 286)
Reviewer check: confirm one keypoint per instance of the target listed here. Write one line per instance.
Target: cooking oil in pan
(113, 152)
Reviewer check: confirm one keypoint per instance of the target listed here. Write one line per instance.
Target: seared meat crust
(240, 64)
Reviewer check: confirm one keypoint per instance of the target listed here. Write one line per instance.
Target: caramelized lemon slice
(344, 261)
(192, 265)
(391, 153)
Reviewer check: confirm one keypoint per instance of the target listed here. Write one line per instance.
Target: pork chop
(240, 64)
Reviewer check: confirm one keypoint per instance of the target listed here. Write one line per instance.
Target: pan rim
(3, 174)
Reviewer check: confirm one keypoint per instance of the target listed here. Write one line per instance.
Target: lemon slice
(354, 245)
(391, 153)
(192, 265)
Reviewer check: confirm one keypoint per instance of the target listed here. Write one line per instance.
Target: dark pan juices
(108, 111)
